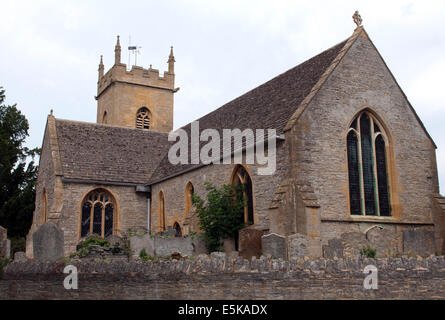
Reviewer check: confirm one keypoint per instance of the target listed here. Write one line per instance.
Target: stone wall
(317, 144)
(161, 247)
(131, 208)
(220, 277)
(264, 187)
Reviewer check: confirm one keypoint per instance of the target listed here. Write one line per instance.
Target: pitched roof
(269, 106)
(90, 151)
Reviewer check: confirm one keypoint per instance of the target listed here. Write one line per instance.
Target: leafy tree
(221, 216)
(17, 174)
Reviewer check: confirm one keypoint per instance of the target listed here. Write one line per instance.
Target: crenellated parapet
(138, 76)
(121, 93)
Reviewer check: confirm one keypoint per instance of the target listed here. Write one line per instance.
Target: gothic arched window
(189, 191)
(105, 118)
(143, 118)
(98, 212)
(242, 177)
(367, 167)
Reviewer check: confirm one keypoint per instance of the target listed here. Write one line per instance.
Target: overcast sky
(49, 50)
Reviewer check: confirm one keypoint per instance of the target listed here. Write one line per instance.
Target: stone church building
(353, 159)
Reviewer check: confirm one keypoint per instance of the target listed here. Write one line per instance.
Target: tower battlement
(138, 76)
(121, 94)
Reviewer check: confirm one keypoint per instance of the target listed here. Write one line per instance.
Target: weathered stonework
(48, 243)
(305, 201)
(222, 277)
(317, 145)
(121, 93)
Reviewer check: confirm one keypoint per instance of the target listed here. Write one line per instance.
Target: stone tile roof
(90, 151)
(269, 106)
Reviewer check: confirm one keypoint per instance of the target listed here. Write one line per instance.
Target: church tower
(139, 98)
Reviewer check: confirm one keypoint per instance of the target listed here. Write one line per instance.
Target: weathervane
(134, 50)
(357, 19)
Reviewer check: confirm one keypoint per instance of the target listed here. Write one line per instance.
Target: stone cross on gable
(357, 19)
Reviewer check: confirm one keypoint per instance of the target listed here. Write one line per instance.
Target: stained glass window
(382, 176)
(354, 177)
(367, 168)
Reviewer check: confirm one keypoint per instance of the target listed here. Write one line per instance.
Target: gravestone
(5, 243)
(384, 240)
(274, 245)
(353, 242)
(296, 246)
(48, 242)
(228, 245)
(199, 246)
(418, 241)
(137, 243)
(20, 257)
(334, 249)
(164, 247)
(249, 244)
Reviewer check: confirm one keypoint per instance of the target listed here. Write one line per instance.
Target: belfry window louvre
(143, 118)
(367, 167)
(97, 214)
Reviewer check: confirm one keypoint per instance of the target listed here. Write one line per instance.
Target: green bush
(368, 252)
(145, 257)
(94, 240)
(84, 248)
(222, 215)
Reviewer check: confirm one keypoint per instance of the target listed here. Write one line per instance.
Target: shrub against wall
(222, 215)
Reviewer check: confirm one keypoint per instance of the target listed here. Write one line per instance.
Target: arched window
(98, 212)
(44, 207)
(162, 226)
(178, 230)
(242, 177)
(143, 118)
(367, 167)
(189, 191)
(104, 118)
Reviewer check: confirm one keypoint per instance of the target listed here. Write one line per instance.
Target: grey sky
(49, 50)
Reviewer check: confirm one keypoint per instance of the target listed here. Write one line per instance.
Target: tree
(222, 215)
(17, 171)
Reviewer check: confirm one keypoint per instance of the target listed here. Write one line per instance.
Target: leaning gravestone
(250, 243)
(48, 242)
(274, 245)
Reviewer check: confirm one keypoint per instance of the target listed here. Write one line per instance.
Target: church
(354, 162)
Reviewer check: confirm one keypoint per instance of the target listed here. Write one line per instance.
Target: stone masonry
(222, 277)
